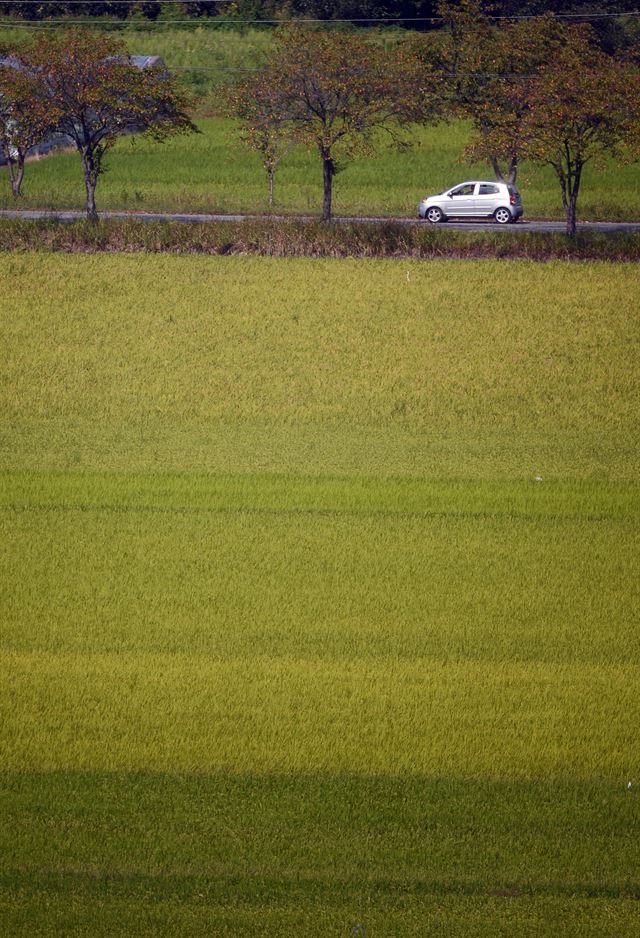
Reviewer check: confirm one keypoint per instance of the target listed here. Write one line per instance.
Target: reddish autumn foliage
(577, 109)
(327, 90)
(264, 126)
(485, 59)
(86, 80)
(25, 119)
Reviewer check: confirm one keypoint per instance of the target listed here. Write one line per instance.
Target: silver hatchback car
(475, 199)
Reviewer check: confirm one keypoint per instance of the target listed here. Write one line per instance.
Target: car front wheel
(503, 216)
(434, 215)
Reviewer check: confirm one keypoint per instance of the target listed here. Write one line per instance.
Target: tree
(264, 127)
(579, 108)
(87, 80)
(25, 119)
(483, 58)
(330, 91)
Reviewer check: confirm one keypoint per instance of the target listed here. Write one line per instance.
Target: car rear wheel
(503, 216)
(434, 215)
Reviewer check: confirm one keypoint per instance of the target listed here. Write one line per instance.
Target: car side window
(464, 190)
(488, 190)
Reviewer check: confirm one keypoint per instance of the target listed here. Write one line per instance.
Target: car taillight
(512, 199)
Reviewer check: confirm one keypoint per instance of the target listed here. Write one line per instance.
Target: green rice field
(318, 597)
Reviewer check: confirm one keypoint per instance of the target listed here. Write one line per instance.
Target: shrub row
(311, 239)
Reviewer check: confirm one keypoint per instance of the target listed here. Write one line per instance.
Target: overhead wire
(152, 26)
(222, 20)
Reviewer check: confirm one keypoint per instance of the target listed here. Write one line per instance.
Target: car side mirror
(450, 195)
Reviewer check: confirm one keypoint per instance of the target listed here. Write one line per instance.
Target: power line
(102, 2)
(356, 19)
(198, 23)
(246, 68)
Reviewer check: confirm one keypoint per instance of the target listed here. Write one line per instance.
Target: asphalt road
(72, 215)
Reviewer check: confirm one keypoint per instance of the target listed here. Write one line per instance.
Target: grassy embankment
(291, 635)
(290, 238)
(216, 172)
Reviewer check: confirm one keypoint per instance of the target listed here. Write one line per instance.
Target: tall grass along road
(318, 597)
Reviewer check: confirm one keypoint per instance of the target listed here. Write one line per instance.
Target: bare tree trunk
(328, 171)
(512, 170)
(14, 158)
(497, 172)
(572, 212)
(91, 167)
(564, 191)
(270, 174)
(15, 166)
(570, 174)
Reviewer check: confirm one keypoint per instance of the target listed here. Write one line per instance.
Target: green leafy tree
(87, 80)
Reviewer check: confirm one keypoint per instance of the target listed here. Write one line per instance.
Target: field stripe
(498, 719)
(294, 494)
(396, 843)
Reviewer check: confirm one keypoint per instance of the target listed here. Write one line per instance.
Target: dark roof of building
(147, 61)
